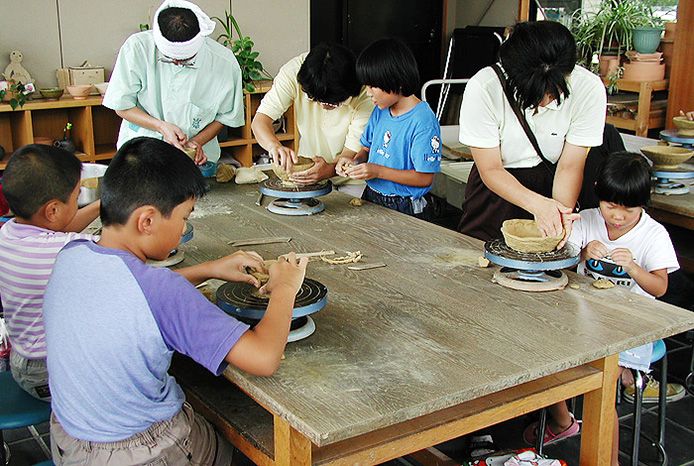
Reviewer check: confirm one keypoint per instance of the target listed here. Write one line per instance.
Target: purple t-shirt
(112, 325)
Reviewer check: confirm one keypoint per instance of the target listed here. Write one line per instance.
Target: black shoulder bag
(521, 118)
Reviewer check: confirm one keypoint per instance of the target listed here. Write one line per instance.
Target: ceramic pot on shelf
(646, 39)
(608, 64)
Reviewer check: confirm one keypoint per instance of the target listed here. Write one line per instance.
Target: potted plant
(14, 93)
(608, 31)
(251, 69)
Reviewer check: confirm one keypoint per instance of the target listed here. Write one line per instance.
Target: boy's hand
(595, 250)
(320, 171)
(364, 171)
(623, 257)
(286, 272)
(233, 267)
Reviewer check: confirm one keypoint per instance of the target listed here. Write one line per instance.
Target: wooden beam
(681, 95)
(524, 10)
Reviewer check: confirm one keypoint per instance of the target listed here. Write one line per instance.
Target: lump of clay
(304, 164)
(603, 284)
(249, 175)
(524, 236)
(225, 173)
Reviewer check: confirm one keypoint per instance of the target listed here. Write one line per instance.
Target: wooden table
(416, 353)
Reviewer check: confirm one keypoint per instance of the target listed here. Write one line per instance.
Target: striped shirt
(27, 254)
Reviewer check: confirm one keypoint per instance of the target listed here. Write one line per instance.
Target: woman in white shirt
(564, 106)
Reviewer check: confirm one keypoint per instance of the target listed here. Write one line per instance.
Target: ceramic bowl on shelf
(101, 87)
(523, 235)
(80, 91)
(685, 125)
(51, 93)
(666, 157)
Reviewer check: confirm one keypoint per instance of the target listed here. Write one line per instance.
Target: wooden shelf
(645, 119)
(94, 127)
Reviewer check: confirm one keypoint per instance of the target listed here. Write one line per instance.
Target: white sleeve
(589, 112)
(661, 254)
(479, 126)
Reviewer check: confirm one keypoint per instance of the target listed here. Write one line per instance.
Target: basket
(304, 164)
(666, 157)
(523, 235)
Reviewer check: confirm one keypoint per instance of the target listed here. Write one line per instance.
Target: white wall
(62, 33)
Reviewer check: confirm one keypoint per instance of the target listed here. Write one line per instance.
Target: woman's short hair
(624, 178)
(148, 171)
(537, 58)
(389, 65)
(328, 74)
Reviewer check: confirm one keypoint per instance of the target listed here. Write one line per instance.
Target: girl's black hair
(36, 174)
(389, 65)
(328, 75)
(178, 24)
(624, 178)
(538, 57)
(148, 171)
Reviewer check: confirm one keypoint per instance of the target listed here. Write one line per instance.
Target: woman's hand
(200, 157)
(342, 164)
(549, 215)
(319, 171)
(172, 134)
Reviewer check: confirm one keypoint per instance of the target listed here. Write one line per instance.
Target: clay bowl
(685, 125)
(666, 157)
(524, 236)
(101, 87)
(304, 164)
(51, 93)
(80, 91)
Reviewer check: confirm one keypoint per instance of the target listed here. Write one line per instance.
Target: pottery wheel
(295, 200)
(176, 257)
(188, 234)
(239, 299)
(664, 183)
(531, 271)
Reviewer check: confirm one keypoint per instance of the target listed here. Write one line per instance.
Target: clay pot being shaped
(304, 164)
(523, 235)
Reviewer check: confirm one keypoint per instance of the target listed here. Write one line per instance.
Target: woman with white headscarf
(177, 84)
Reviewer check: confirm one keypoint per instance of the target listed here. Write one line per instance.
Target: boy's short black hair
(178, 24)
(389, 65)
(148, 171)
(624, 178)
(36, 174)
(538, 57)
(328, 74)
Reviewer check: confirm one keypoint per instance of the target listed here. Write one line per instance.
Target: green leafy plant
(251, 68)
(613, 80)
(608, 30)
(16, 92)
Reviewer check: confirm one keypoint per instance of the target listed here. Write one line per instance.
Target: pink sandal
(530, 433)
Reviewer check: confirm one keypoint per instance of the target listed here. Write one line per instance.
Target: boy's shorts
(31, 375)
(185, 439)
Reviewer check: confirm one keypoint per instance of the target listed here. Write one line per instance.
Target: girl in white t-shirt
(621, 243)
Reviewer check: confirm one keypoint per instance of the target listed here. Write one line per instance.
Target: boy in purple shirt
(110, 339)
(41, 184)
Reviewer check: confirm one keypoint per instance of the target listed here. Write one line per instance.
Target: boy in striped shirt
(41, 185)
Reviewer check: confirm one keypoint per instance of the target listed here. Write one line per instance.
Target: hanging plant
(251, 68)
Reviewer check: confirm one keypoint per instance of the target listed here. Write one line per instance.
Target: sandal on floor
(481, 446)
(530, 433)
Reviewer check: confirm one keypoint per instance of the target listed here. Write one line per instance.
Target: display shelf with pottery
(644, 66)
(51, 93)
(80, 91)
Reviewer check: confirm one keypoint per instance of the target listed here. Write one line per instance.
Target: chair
(659, 354)
(19, 409)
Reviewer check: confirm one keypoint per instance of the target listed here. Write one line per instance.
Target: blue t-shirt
(112, 324)
(407, 142)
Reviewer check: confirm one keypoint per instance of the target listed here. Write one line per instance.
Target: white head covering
(182, 50)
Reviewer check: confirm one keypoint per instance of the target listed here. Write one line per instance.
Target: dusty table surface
(426, 332)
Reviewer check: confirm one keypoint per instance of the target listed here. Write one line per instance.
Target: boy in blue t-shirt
(112, 322)
(402, 141)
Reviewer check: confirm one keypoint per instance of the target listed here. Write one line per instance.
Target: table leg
(291, 447)
(598, 416)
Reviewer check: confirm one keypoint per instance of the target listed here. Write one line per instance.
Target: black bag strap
(521, 118)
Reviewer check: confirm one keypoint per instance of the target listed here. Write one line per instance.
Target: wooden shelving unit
(94, 127)
(241, 143)
(644, 119)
